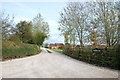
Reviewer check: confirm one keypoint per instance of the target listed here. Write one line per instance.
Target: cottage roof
(59, 44)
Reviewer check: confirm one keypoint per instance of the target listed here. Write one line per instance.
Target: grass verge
(49, 51)
(58, 50)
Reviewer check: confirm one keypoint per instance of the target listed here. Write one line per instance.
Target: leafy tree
(39, 37)
(23, 29)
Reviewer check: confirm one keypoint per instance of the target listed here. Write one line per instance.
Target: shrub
(39, 38)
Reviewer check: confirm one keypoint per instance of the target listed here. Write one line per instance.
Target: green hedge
(107, 58)
(12, 50)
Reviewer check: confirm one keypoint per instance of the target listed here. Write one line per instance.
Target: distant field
(58, 50)
(11, 50)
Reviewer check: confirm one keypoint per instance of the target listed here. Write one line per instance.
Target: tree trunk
(80, 40)
(66, 38)
(107, 35)
(74, 39)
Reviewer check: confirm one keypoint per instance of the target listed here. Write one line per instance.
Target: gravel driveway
(52, 65)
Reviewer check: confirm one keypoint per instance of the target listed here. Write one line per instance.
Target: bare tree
(6, 25)
(104, 20)
(73, 21)
(40, 25)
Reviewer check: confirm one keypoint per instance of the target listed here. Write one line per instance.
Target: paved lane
(53, 65)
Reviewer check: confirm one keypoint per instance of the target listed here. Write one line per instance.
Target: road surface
(53, 65)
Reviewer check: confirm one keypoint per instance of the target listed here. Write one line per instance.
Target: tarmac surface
(52, 65)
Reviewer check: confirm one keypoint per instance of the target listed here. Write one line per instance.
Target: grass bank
(11, 50)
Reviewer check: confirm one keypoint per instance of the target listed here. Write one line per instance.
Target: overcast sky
(28, 10)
